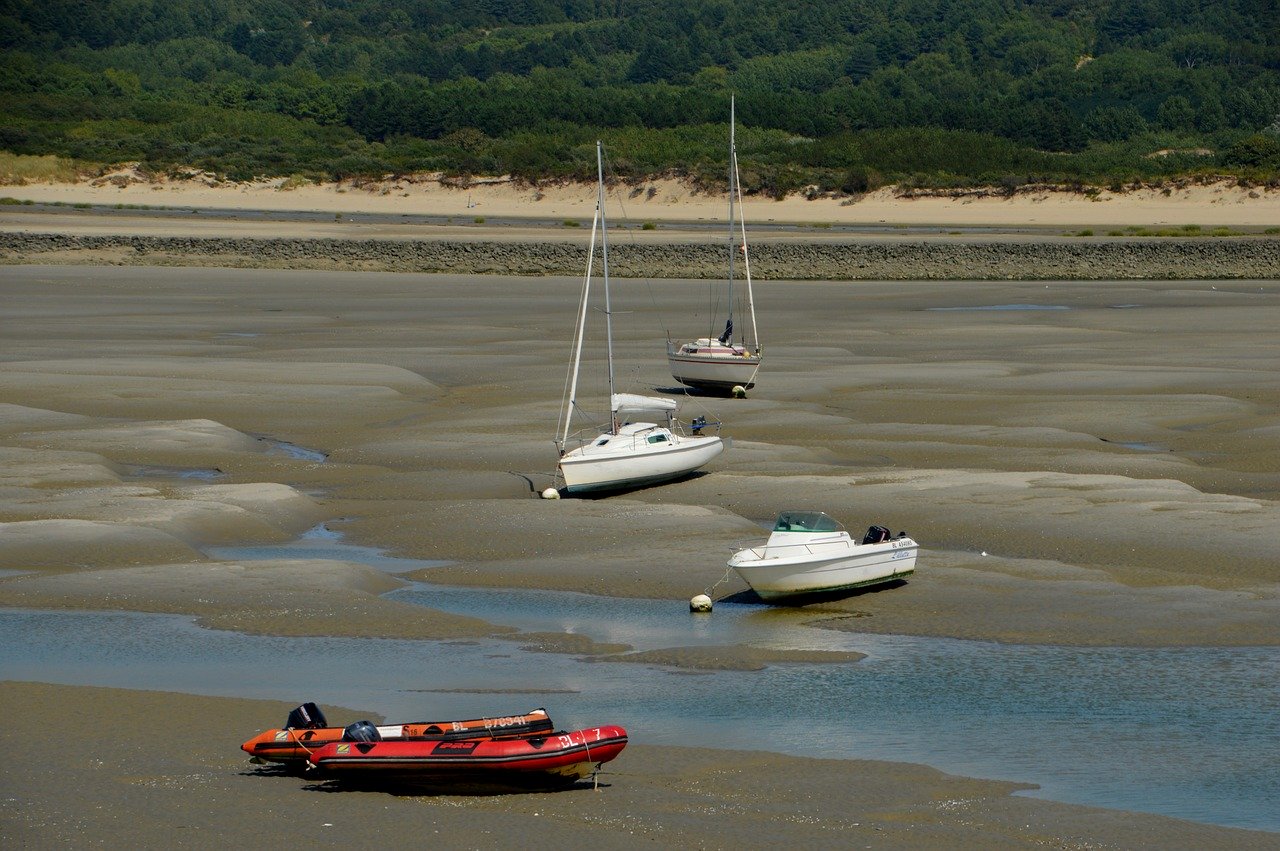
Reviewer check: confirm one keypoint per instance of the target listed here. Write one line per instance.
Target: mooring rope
(294, 734)
(727, 572)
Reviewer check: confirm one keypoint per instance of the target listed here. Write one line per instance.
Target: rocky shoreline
(1158, 258)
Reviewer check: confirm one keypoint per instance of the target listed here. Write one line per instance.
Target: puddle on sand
(321, 542)
(1002, 307)
(1137, 445)
(284, 447)
(155, 471)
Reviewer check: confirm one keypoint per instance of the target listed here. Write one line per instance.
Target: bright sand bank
(1219, 204)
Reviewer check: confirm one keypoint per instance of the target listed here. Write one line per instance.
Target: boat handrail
(762, 550)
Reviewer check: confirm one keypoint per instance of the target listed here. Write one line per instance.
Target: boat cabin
(806, 521)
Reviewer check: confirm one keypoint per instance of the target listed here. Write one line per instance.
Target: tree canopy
(841, 94)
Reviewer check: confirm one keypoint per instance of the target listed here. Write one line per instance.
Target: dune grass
(17, 169)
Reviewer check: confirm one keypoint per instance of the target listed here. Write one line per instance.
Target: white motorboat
(719, 364)
(810, 553)
(631, 452)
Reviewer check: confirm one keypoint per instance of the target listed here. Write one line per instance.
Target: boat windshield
(805, 521)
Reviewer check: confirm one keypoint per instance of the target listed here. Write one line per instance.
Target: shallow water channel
(1187, 732)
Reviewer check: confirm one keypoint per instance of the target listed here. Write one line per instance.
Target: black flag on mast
(728, 333)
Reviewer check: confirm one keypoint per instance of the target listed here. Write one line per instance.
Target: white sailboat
(718, 364)
(629, 453)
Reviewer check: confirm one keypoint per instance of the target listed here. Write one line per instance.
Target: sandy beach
(1177, 203)
(1072, 472)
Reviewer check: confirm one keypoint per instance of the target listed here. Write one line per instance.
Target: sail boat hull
(713, 367)
(628, 459)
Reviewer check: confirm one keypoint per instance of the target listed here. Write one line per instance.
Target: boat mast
(733, 188)
(604, 263)
(746, 259)
(580, 332)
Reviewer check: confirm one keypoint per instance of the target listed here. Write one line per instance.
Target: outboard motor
(697, 424)
(306, 717)
(361, 731)
(876, 535)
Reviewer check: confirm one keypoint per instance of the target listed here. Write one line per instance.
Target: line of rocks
(1110, 259)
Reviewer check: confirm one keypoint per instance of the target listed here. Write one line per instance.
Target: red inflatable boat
(306, 731)
(558, 759)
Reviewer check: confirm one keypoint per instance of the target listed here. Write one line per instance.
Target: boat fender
(361, 731)
(306, 717)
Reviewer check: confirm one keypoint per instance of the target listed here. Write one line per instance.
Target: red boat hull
(556, 759)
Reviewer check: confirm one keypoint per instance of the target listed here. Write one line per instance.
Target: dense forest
(846, 95)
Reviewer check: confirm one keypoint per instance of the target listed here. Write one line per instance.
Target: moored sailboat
(719, 364)
(631, 451)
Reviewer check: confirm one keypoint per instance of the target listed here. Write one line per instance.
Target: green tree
(1176, 113)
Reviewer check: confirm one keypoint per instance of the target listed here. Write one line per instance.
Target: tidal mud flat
(1071, 455)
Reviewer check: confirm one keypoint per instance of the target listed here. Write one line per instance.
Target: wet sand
(1102, 474)
(1107, 472)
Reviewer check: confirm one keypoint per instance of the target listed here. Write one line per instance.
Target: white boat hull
(776, 572)
(628, 461)
(714, 372)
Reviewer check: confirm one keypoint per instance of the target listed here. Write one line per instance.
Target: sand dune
(1221, 203)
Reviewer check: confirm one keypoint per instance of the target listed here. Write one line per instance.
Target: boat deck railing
(767, 550)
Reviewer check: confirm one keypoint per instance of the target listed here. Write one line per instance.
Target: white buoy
(700, 603)
(551, 493)
(739, 392)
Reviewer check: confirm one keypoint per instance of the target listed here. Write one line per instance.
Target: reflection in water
(321, 542)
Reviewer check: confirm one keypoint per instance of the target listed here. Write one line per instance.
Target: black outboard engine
(876, 535)
(361, 731)
(306, 717)
(697, 424)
